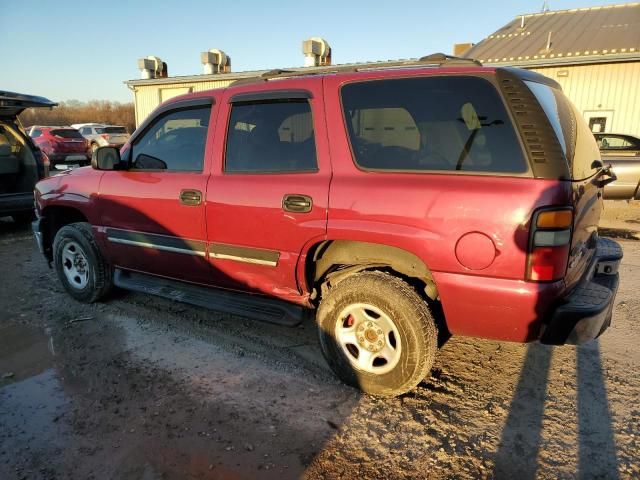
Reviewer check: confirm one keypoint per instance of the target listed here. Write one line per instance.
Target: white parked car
(100, 135)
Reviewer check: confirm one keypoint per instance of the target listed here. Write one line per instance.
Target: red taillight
(550, 244)
(548, 263)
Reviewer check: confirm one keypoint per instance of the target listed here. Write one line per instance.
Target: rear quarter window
(444, 123)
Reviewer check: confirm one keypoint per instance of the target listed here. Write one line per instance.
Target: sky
(84, 50)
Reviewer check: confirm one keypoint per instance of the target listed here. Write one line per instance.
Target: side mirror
(105, 158)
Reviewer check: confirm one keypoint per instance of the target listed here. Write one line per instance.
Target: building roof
(436, 59)
(581, 35)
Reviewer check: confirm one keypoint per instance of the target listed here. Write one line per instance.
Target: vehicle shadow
(523, 437)
(9, 227)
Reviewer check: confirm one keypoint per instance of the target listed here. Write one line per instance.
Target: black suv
(21, 163)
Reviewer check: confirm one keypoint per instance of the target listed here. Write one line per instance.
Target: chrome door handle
(191, 197)
(297, 203)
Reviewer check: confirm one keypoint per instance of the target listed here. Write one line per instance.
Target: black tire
(408, 311)
(23, 218)
(99, 275)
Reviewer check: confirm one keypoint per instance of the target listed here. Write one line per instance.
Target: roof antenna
(545, 7)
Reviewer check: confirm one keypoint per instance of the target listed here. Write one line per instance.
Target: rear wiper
(601, 170)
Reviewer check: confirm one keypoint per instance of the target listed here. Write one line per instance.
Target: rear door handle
(191, 197)
(297, 203)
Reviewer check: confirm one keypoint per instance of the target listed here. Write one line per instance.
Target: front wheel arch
(54, 218)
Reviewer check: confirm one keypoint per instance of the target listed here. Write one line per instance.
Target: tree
(73, 111)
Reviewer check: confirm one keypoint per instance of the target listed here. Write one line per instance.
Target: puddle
(24, 352)
(32, 399)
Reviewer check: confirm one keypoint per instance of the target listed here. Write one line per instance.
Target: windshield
(66, 133)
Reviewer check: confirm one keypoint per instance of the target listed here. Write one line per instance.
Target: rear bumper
(15, 203)
(585, 313)
(519, 311)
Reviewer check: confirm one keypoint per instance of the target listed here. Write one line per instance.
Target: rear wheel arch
(332, 261)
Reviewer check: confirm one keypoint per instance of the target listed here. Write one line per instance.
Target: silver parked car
(100, 135)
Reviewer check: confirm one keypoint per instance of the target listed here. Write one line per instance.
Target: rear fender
(336, 259)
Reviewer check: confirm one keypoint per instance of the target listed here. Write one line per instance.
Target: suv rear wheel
(84, 273)
(377, 333)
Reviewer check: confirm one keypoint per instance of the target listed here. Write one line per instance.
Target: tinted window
(271, 137)
(175, 141)
(581, 147)
(114, 130)
(68, 133)
(36, 133)
(434, 123)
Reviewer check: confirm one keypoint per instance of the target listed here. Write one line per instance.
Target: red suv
(373, 196)
(62, 146)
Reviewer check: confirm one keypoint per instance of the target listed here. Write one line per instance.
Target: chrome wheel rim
(369, 338)
(75, 265)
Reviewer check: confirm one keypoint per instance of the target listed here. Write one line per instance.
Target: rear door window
(452, 123)
(271, 137)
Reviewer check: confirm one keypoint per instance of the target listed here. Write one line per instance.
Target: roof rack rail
(437, 59)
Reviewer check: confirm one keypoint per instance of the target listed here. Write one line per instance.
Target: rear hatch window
(112, 130)
(67, 133)
(439, 123)
(578, 143)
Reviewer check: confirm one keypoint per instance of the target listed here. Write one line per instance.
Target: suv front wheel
(84, 273)
(377, 333)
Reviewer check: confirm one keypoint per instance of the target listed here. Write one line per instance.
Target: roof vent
(215, 61)
(152, 67)
(459, 49)
(317, 52)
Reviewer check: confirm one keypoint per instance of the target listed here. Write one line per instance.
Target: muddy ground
(143, 388)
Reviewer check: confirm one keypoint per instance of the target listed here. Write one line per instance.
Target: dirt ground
(143, 388)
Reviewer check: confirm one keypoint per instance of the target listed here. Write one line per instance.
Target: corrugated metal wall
(148, 97)
(612, 89)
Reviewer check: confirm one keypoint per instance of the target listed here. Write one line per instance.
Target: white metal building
(594, 53)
